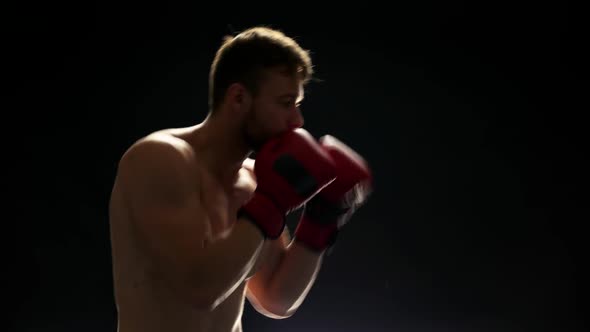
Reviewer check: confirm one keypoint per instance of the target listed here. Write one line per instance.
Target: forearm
(294, 277)
(226, 264)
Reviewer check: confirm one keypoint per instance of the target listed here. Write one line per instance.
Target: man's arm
(164, 200)
(283, 283)
(284, 279)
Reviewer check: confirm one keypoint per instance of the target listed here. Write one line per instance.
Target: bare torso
(143, 302)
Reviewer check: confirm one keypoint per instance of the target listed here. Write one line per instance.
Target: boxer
(198, 227)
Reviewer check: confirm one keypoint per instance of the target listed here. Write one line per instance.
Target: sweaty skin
(144, 302)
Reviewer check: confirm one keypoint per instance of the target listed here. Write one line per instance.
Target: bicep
(165, 208)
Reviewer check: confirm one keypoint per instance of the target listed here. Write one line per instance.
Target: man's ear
(238, 97)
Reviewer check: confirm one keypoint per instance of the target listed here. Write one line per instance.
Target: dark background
(467, 113)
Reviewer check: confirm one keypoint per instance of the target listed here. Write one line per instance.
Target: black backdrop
(464, 111)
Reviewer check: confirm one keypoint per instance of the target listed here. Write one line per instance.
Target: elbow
(279, 307)
(275, 312)
(270, 306)
(283, 313)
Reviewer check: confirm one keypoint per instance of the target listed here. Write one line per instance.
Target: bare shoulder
(161, 159)
(159, 145)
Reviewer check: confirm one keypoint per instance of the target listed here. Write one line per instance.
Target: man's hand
(289, 169)
(328, 211)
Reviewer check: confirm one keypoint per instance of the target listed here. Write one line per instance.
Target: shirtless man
(197, 226)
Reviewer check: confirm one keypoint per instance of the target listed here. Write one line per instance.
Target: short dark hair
(245, 57)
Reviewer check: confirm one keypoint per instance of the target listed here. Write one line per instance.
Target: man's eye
(289, 104)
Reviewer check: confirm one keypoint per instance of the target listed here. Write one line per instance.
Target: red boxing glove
(331, 209)
(290, 169)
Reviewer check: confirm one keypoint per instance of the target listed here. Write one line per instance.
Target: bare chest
(143, 303)
(222, 201)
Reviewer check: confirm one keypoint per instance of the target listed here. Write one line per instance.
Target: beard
(253, 133)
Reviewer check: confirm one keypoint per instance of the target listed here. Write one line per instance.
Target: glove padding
(290, 169)
(332, 208)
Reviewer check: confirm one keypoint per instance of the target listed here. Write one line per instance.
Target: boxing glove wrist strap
(315, 236)
(318, 226)
(262, 212)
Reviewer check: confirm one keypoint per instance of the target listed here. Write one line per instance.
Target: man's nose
(296, 121)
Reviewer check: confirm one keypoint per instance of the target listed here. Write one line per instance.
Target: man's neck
(220, 147)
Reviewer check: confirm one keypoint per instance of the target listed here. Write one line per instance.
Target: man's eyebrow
(296, 96)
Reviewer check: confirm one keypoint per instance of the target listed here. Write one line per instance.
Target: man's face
(275, 109)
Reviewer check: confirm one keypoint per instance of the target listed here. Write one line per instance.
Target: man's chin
(254, 143)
